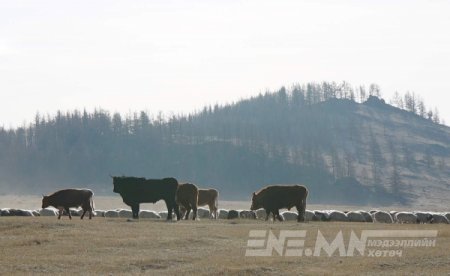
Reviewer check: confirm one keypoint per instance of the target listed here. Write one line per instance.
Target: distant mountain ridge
(345, 152)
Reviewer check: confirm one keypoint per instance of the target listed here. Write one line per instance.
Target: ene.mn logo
(380, 243)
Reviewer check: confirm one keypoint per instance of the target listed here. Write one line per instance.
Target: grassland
(102, 246)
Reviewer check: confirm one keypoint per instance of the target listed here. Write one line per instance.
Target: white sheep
(405, 217)
(48, 212)
(149, 214)
(383, 217)
(112, 214)
(288, 215)
(355, 216)
(223, 214)
(335, 215)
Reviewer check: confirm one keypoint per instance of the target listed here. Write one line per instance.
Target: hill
(346, 152)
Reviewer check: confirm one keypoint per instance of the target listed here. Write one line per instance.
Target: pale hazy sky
(180, 55)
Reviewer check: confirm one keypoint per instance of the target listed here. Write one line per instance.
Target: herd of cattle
(181, 199)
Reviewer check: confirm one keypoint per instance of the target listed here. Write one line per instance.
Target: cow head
(256, 204)
(45, 202)
(116, 184)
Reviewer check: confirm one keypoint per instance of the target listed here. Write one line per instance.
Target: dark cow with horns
(135, 190)
(64, 199)
(273, 198)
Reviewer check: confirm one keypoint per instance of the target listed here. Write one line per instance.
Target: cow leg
(91, 207)
(188, 211)
(301, 214)
(135, 210)
(68, 212)
(84, 212)
(172, 206)
(194, 216)
(85, 207)
(194, 208)
(61, 210)
(211, 214)
(177, 210)
(303, 207)
(276, 215)
(182, 211)
(267, 214)
(212, 211)
(216, 211)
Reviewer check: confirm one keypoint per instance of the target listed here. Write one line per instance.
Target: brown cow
(208, 197)
(187, 197)
(273, 198)
(64, 199)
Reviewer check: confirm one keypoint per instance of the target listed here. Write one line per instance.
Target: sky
(176, 56)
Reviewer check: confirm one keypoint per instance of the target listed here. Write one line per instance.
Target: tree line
(308, 133)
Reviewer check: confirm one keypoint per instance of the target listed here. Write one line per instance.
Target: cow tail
(196, 199)
(217, 206)
(217, 201)
(92, 204)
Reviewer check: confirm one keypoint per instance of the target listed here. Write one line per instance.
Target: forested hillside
(347, 145)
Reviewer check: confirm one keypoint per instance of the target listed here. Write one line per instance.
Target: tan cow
(209, 197)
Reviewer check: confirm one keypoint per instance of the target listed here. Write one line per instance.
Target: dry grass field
(107, 246)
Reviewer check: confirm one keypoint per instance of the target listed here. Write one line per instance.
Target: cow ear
(254, 194)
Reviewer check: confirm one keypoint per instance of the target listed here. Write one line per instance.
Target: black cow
(136, 190)
(64, 199)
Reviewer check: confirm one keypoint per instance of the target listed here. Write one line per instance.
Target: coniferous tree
(310, 132)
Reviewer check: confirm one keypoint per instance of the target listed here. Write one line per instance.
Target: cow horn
(111, 176)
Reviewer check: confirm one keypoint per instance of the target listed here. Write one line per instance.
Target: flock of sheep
(316, 215)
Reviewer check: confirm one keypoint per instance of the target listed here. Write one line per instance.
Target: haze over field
(177, 56)
(99, 73)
